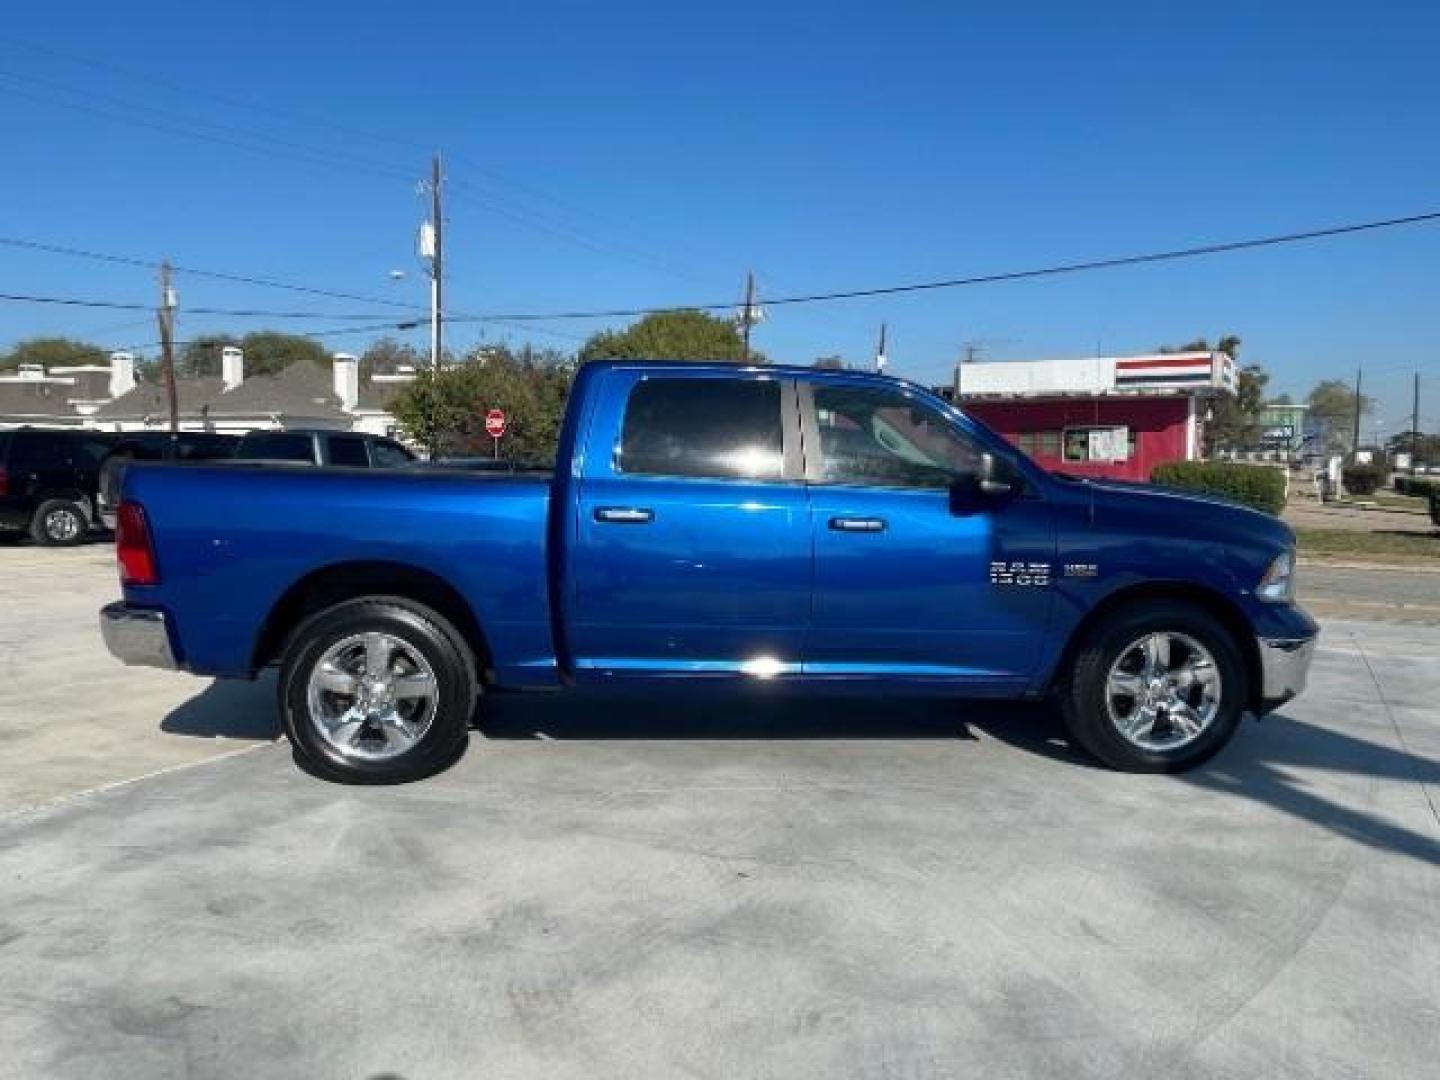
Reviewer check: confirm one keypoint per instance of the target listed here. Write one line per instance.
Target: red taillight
(4, 481)
(132, 546)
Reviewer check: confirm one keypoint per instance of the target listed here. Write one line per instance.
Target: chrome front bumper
(136, 636)
(1284, 667)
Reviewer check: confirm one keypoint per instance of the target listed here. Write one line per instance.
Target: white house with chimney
(63, 395)
(108, 397)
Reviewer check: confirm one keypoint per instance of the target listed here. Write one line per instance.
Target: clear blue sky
(637, 154)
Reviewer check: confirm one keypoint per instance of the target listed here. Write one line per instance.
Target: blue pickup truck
(720, 523)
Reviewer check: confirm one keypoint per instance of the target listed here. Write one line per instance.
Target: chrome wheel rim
(1163, 691)
(62, 525)
(372, 696)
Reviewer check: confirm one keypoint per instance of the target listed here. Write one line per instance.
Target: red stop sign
(495, 423)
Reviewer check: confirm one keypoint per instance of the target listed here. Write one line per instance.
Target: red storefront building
(1099, 416)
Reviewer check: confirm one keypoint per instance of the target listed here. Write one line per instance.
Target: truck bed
(234, 539)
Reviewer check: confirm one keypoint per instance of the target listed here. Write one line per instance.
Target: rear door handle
(624, 515)
(857, 524)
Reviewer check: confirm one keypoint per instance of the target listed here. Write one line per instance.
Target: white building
(108, 397)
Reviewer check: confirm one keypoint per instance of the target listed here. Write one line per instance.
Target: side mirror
(994, 482)
(998, 477)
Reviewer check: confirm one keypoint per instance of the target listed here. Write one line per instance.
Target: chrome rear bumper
(136, 636)
(1284, 667)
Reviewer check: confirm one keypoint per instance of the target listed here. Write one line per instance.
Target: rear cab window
(703, 427)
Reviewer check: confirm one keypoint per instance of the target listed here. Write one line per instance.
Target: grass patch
(1389, 547)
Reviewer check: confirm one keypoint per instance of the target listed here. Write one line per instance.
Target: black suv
(155, 446)
(49, 481)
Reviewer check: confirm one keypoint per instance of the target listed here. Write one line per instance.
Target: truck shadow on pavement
(228, 709)
(1273, 761)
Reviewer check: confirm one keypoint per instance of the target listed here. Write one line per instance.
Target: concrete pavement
(66, 703)
(722, 887)
(71, 717)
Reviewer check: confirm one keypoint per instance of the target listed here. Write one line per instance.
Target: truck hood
(1191, 513)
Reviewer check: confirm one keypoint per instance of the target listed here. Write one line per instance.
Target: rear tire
(59, 523)
(377, 691)
(1198, 693)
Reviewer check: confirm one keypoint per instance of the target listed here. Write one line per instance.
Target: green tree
(829, 363)
(269, 351)
(670, 335)
(1332, 414)
(1229, 344)
(201, 355)
(446, 409)
(53, 351)
(1235, 421)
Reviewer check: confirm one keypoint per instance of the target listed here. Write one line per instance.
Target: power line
(195, 91)
(1171, 255)
(261, 143)
(243, 279)
(239, 313)
(304, 154)
(170, 115)
(295, 117)
(559, 229)
(317, 158)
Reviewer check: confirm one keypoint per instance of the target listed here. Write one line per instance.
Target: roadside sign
(495, 423)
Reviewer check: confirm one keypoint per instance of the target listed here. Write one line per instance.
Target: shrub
(1258, 486)
(1362, 479)
(1417, 485)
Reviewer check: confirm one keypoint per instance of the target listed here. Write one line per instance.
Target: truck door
(907, 582)
(692, 537)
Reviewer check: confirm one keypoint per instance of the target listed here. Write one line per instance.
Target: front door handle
(624, 515)
(858, 524)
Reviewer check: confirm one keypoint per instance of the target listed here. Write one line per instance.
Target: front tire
(59, 523)
(377, 691)
(1159, 688)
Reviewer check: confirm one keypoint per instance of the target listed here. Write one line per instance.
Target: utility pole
(437, 262)
(1355, 436)
(880, 352)
(1415, 425)
(166, 316)
(747, 317)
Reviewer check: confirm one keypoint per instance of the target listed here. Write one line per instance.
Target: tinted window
(142, 447)
(39, 450)
(204, 447)
(389, 455)
(92, 449)
(703, 427)
(348, 450)
(277, 446)
(884, 438)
